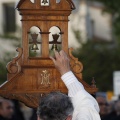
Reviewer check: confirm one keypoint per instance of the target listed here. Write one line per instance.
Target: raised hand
(62, 62)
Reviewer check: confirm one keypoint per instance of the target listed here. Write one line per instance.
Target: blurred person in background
(117, 109)
(6, 109)
(18, 114)
(34, 115)
(103, 106)
(111, 111)
(115, 114)
(10, 110)
(111, 107)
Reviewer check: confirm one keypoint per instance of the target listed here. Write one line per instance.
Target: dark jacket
(2, 118)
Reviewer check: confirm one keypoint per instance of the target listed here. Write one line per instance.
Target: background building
(9, 17)
(90, 20)
(10, 28)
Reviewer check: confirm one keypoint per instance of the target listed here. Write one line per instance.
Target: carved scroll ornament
(76, 65)
(14, 67)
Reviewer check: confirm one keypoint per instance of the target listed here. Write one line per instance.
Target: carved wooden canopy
(32, 74)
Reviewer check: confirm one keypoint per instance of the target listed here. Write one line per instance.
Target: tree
(99, 61)
(3, 70)
(7, 56)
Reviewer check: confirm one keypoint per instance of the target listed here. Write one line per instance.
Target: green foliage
(7, 56)
(100, 60)
(3, 70)
(8, 36)
(111, 6)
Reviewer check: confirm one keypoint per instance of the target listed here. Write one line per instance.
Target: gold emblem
(45, 77)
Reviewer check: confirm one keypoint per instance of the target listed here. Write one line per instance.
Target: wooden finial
(93, 83)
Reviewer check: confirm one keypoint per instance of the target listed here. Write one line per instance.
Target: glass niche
(55, 40)
(33, 1)
(35, 40)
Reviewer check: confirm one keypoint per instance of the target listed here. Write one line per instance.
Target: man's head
(6, 108)
(55, 106)
(103, 105)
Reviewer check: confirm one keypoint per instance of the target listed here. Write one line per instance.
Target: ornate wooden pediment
(62, 5)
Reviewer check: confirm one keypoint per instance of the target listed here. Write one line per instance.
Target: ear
(69, 118)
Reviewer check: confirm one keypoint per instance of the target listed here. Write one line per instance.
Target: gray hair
(55, 106)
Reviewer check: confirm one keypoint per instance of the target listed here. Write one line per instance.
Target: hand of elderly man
(62, 62)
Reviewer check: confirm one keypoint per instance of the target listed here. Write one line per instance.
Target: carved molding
(14, 67)
(29, 99)
(71, 4)
(76, 65)
(93, 83)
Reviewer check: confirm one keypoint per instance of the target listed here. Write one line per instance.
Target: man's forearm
(72, 83)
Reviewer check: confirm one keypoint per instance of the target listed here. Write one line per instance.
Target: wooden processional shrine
(32, 73)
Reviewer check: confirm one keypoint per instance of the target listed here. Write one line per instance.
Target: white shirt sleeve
(72, 84)
(85, 106)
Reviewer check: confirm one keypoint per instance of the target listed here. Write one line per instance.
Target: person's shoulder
(86, 114)
(84, 99)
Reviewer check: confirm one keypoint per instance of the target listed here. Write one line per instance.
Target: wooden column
(45, 44)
